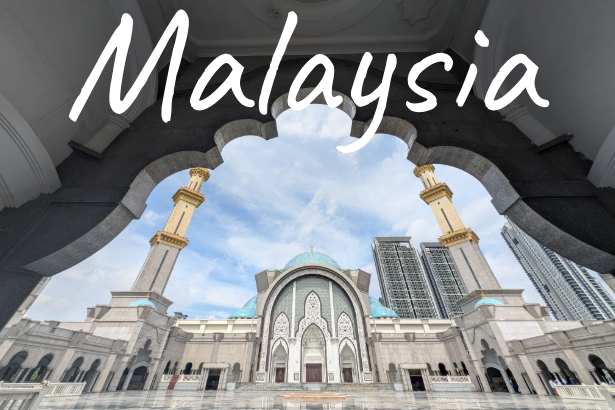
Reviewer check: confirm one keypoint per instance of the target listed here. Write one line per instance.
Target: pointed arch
(281, 327)
(313, 316)
(344, 327)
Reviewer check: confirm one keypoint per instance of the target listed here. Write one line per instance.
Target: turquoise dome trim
(312, 257)
(378, 310)
(488, 301)
(142, 302)
(248, 311)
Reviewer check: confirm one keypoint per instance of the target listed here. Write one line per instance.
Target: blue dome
(248, 311)
(312, 257)
(378, 310)
(142, 302)
(488, 302)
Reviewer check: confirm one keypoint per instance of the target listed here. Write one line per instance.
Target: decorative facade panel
(344, 327)
(312, 317)
(318, 285)
(281, 327)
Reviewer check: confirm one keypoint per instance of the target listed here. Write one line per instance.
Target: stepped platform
(314, 396)
(314, 387)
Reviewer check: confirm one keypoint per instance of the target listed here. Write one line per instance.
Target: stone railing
(578, 392)
(166, 378)
(450, 379)
(22, 396)
(194, 378)
(65, 389)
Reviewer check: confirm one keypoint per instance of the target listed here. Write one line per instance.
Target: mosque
(311, 325)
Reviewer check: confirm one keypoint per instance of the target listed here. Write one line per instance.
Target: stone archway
(91, 376)
(72, 374)
(41, 370)
(279, 361)
(11, 371)
(357, 305)
(313, 355)
(545, 193)
(601, 371)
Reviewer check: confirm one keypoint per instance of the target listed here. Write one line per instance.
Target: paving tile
(205, 400)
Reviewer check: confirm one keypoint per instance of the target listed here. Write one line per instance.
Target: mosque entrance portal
(280, 372)
(313, 373)
(213, 379)
(347, 374)
(416, 380)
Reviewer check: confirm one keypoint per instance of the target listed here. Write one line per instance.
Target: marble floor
(268, 400)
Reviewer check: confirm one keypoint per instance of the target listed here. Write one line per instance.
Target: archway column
(104, 373)
(519, 379)
(63, 365)
(480, 371)
(20, 374)
(507, 381)
(119, 369)
(577, 367)
(128, 378)
(152, 369)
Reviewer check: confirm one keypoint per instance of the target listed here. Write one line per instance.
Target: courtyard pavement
(268, 400)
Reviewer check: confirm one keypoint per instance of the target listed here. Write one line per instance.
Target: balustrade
(450, 379)
(24, 396)
(578, 392)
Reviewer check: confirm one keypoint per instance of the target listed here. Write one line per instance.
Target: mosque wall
(234, 348)
(391, 350)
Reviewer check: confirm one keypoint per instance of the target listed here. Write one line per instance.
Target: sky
(271, 200)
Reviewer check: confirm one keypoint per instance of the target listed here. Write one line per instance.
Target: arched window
(392, 373)
(10, 371)
(442, 369)
(188, 368)
(604, 374)
(237, 371)
(167, 368)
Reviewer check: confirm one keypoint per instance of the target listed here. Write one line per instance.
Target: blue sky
(271, 200)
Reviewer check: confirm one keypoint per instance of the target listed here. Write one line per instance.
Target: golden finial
(202, 172)
(312, 248)
(483, 293)
(147, 297)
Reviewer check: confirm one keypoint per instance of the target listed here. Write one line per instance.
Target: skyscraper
(443, 276)
(566, 287)
(403, 283)
(461, 242)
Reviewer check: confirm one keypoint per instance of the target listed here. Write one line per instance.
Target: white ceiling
(253, 27)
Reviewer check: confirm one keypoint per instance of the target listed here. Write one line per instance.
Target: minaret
(167, 244)
(462, 242)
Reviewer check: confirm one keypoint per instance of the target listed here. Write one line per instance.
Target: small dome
(142, 302)
(488, 301)
(248, 311)
(312, 257)
(379, 310)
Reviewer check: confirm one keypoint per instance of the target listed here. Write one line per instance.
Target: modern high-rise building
(461, 242)
(443, 276)
(403, 282)
(566, 287)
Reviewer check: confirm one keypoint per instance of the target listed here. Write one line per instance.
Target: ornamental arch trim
(333, 275)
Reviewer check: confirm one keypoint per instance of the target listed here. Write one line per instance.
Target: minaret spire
(461, 241)
(166, 244)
